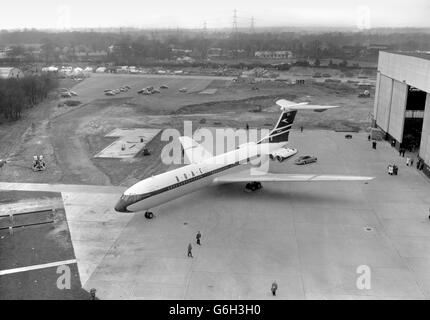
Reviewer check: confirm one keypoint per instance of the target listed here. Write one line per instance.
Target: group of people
(410, 161)
(190, 247)
(274, 287)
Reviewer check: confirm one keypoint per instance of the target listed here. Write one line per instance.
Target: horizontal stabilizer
(289, 105)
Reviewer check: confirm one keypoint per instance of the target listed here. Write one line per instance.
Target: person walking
(408, 160)
(190, 248)
(411, 163)
(198, 236)
(274, 288)
(301, 128)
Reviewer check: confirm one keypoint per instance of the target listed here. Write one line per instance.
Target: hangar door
(384, 102)
(397, 112)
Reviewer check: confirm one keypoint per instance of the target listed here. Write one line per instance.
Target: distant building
(9, 73)
(402, 101)
(273, 54)
(181, 52)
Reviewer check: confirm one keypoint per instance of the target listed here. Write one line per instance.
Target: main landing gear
(253, 186)
(149, 215)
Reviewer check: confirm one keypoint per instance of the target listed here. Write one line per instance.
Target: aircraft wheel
(149, 215)
(258, 185)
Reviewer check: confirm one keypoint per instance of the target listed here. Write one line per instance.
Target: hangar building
(402, 101)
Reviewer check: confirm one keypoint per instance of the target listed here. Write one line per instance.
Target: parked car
(305, 160)
(66, 95)
(183, 90)
(282, 154)
(109, 93)
(164, 87)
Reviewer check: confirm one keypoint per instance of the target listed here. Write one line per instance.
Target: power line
(235, 21)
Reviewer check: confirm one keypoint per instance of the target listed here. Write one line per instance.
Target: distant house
(9, 73)
(181, 52)
(273, 54)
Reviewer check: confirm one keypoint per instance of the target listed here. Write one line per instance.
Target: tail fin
(281, 131)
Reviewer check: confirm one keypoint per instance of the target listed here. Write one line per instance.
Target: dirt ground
(69, 137)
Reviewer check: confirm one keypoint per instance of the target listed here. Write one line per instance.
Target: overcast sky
(216, 13)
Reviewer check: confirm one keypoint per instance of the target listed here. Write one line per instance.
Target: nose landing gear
(149, 215)
(253, 186)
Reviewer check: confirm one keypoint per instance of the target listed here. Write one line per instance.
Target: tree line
(133, 47)
(19, 94)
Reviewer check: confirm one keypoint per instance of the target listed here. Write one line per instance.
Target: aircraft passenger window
(185, 175)
(177, 179)
(201, 171)
(192, 173)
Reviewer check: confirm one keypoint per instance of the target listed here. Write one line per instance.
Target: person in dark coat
(198, 236)
(190, 248)
(274, 288)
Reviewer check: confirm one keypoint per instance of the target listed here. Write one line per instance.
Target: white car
(65, 95)
(283, 154)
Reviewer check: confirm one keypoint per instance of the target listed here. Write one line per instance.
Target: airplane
(206, 169)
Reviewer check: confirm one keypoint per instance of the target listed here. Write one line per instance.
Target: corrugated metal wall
(397, 113)
(384, 102)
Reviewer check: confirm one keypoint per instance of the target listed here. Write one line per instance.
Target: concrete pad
(243, 286)
(94, 227)
(340, 280)
(134, 140)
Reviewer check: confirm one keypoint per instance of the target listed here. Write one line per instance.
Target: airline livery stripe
(289, 127)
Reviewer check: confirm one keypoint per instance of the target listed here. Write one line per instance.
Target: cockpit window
(132, 198)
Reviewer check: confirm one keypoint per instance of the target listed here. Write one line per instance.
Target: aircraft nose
(121, 205)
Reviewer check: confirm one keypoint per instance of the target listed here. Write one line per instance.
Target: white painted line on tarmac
(37, 267)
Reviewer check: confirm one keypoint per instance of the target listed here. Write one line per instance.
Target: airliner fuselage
(156, 190)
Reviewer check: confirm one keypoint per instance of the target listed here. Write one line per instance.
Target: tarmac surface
(309, 237)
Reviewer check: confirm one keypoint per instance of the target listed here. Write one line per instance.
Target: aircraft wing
(282, 177)
(4, 186)
(194, 151)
